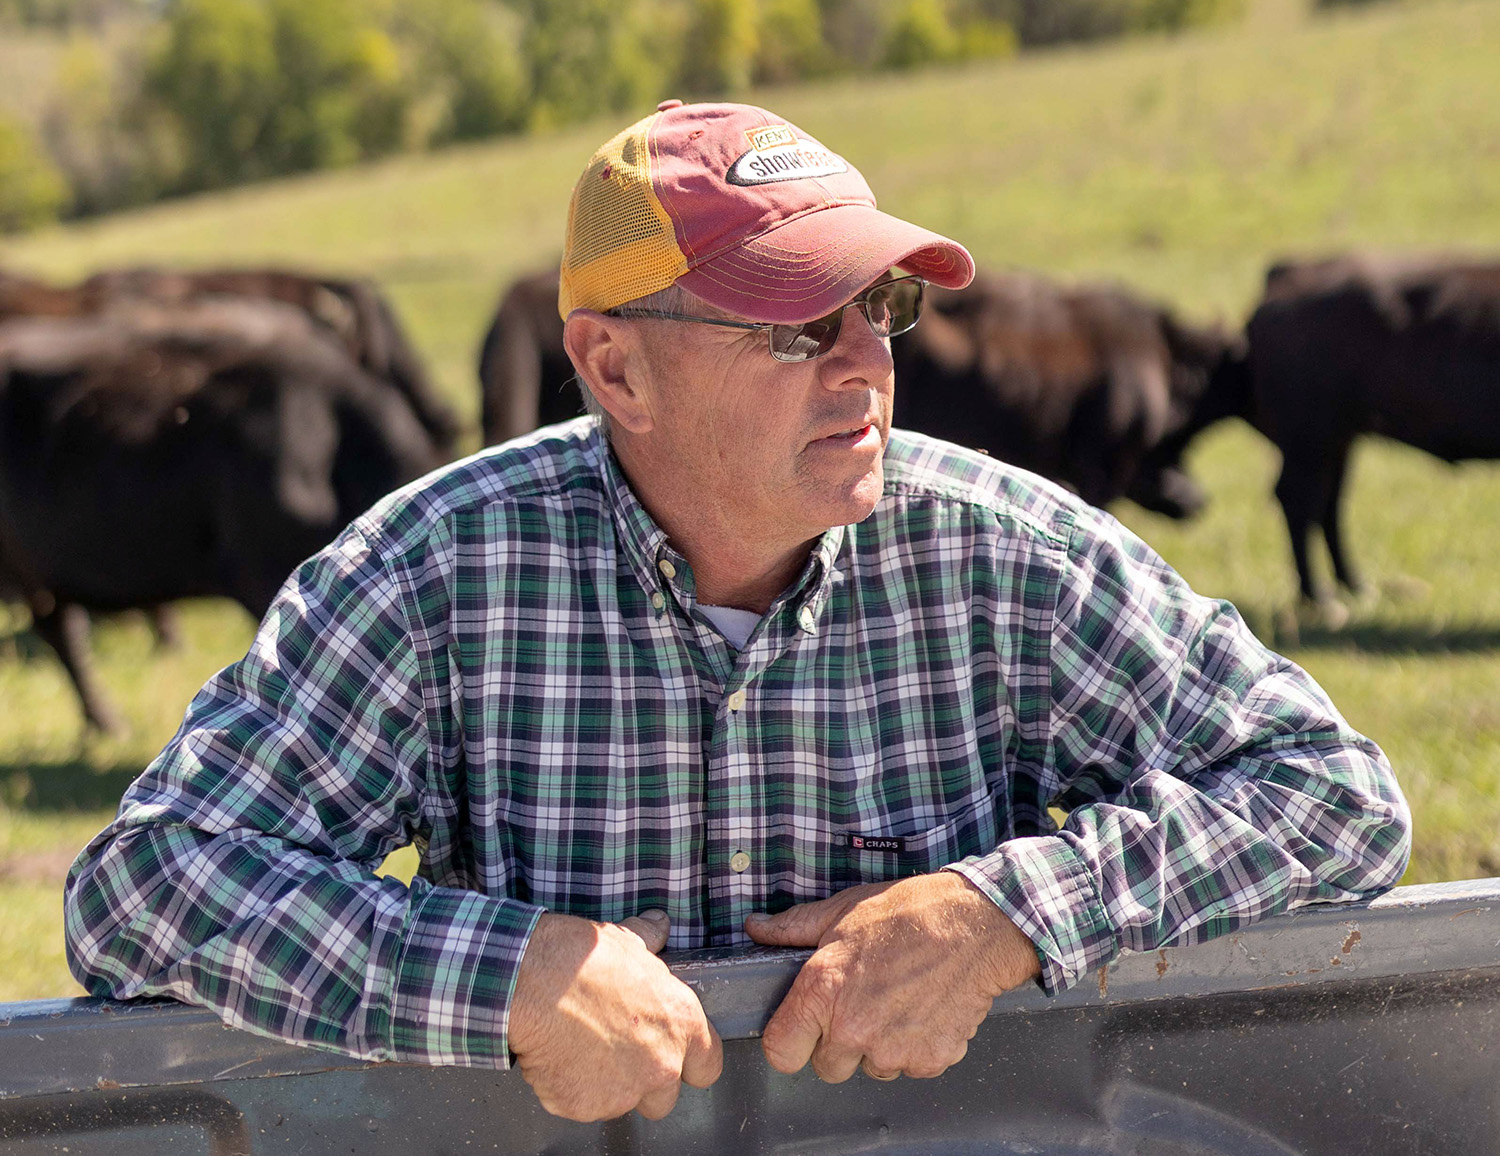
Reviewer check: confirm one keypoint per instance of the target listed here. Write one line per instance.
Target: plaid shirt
(505, 664)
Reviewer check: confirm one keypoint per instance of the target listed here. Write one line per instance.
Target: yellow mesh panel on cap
(620, 242)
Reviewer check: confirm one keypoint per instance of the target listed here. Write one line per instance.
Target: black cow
(525, 377)
(1294, 276)
(154, 453)
(352, 309)
(1086, 385)
(1407, 348)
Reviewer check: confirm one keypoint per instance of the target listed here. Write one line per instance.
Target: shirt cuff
(1047, 890)
(457, 976)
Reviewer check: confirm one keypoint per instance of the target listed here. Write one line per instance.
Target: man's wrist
(553, 955)
(1010, 957)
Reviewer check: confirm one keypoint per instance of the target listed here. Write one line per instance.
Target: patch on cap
(779, 154)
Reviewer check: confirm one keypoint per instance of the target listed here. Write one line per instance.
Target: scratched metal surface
(1367, 1028)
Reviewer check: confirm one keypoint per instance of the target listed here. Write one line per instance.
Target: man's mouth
(853, 435)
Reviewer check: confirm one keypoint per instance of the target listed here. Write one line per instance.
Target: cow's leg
(165, 626)
(1332, 525)
(1300, 491)
(65, 627)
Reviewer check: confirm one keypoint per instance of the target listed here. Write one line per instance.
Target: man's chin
(860, 500)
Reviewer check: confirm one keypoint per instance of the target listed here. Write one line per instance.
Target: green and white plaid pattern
(505, 663)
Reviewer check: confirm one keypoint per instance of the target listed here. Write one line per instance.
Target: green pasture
(1176, 166)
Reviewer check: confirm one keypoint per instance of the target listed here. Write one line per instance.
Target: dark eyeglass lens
(808, 340)
(892, 309)
(878, 310)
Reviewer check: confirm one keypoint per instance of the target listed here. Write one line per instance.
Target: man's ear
(606, 354)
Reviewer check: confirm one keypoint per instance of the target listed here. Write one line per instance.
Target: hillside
(1177, 166)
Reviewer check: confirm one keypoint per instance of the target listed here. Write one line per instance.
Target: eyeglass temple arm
(861, 302)
(664, 315)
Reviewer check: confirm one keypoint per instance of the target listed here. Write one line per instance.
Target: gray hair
(672, 299)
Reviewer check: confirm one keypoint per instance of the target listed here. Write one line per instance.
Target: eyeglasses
(892, 308)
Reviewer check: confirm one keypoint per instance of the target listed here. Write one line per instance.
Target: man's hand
(600, 1026)
(903, 976)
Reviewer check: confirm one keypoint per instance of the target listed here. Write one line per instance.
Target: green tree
(217, 75)
(983, 39)
(592, 57)
(789, 43)
(464, 68)
(111, 146)
(67, 13)
(920, 34)
(852, 30)
(719, 47)
(32, 191)
(340, 96)
(1171, 15)
(260, 87)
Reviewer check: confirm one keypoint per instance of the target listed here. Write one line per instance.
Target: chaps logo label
(778, 154)
(891, 844)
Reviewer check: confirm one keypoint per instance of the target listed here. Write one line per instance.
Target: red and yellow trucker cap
(743, 210)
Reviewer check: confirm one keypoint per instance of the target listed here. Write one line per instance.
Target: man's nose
(859, 359)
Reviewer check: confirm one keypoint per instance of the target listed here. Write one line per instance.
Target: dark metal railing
(1367, 1028)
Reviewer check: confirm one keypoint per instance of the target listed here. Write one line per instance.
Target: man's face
(783, 450)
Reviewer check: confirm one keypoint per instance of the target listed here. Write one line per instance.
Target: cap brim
(810, 265)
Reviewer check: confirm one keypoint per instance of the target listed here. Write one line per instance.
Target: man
(750, 668)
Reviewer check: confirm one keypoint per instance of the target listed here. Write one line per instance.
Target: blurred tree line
(183, 96)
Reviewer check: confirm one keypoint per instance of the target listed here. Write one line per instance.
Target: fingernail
(757, 917)
(654, 915)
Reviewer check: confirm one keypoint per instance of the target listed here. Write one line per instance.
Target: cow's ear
(608, 359)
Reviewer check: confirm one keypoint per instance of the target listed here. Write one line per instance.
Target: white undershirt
(735, 625)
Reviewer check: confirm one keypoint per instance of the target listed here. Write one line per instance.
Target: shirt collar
(645, 544)
(642, 541)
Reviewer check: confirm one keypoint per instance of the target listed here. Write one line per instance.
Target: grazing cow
(352, 309)
(1406, 348)
(151, 453)
(1293, 277)
(525, 377)
(1084, 385)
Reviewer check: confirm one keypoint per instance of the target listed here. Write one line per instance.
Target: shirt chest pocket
(873, 856)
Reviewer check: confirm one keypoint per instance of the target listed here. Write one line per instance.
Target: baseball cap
(743, 210)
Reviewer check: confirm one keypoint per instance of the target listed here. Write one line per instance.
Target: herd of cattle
(168, 434)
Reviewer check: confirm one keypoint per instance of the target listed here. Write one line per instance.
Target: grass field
(1177, 166)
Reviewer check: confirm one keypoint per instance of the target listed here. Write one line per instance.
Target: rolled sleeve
(459, 961)
(1207, 781)
(240, 873)
(1048, 891)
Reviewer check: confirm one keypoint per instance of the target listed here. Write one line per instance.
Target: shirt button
(737, 702)
(738, 862)
(666, 567)
(807, 619)
(657, 600)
